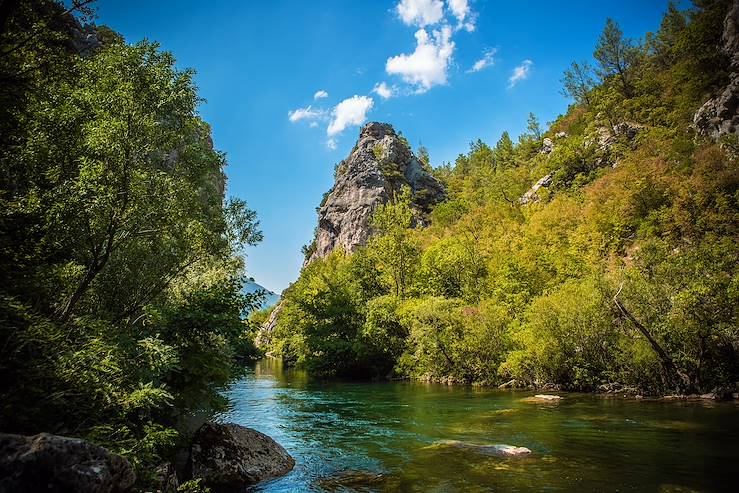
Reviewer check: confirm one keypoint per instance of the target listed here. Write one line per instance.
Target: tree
(395, 252)
(673, 24)
(578, 81)
(616, 56)
(533, 127)
(504, 152)
(423, 156)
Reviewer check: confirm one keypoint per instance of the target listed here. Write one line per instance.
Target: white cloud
(383, 90)
(313, 124)
(320, 94)
(304, 114)
(520, 73)
(427, 66)
(351, 111)
(487, 60)
(420, 12)
(331, 143)
(461, 11)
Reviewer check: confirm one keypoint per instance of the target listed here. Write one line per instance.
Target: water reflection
(387, 437)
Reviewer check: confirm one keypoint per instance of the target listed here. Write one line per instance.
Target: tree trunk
(667, 364)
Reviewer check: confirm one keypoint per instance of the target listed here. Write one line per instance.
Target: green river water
(414, 437)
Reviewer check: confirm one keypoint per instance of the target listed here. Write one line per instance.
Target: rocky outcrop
(47, 462)
(379, 166)
(229, 457)
(531, 194)
(719, 116)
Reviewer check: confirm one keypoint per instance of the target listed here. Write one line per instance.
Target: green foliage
(120, 280)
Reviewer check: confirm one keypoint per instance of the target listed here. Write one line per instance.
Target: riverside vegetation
(618, 269)
(121, 305)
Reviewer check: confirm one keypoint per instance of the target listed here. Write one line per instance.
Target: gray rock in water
(498, 449)
(380, 164)
(719, 116)
(46, 462)
(230, 457)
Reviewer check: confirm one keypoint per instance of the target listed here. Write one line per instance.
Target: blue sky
(259, 63)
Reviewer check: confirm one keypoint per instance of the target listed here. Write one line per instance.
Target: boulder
(46, 462)
(229, 457)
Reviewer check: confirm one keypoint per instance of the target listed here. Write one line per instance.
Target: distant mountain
(270, 300)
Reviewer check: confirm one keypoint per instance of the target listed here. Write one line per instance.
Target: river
(413, 437)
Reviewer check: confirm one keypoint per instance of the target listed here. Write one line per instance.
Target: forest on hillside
(618, 270)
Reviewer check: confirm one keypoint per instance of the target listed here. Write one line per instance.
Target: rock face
(47, 462)
(230, 457)
(380, 164)
(719, 116)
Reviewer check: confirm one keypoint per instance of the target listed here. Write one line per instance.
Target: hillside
(598, 253)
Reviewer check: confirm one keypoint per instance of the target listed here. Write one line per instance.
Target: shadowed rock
(46, 462)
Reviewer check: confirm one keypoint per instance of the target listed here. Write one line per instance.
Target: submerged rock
(542, 398)
(497, 450)
(230, 457)
(46, 462)
(358, 480)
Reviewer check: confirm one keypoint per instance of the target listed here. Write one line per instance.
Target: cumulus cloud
(351, 111)
(383, 90)
(427, 66)
(520, 73)
(487, 60)
(304, 114)
(320, 94)
(462, 12)
(420, 12)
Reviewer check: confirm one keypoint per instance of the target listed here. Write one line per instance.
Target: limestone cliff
(378, 167)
